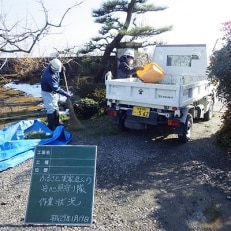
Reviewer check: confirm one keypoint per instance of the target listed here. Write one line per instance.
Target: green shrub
(99, 95)
(36, 135)
(223, 136)
(97, 92)
(86, 108)
(219, 70)
(85, 89)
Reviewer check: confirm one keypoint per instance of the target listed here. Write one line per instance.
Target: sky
(193, 21)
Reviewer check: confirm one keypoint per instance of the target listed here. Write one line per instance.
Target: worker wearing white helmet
(50, 91)
(125, 67)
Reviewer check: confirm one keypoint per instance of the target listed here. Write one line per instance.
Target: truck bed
(172, 91)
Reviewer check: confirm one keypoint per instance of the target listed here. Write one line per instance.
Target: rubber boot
(56, 118)
(51, 121)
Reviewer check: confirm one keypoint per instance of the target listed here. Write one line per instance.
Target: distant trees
(21, 36)
(121, 27)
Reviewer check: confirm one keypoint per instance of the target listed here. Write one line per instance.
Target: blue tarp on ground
(14, 149)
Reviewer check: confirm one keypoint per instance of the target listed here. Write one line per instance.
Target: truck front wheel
(187, 129)
(208, 115)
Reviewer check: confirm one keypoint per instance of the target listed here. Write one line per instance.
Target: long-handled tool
(74, 121)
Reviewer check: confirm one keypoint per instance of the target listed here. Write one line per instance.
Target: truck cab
(182, 60)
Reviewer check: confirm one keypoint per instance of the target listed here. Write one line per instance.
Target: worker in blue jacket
(125, 67)
(50, 91)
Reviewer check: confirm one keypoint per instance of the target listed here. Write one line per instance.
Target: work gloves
(63, 69)
(69, 94)
(138, 68)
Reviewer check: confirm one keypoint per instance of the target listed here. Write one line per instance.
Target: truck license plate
(141, 111)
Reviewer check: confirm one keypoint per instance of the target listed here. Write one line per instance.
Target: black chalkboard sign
(62, 185)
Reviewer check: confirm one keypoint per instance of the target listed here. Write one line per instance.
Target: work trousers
(50, 100)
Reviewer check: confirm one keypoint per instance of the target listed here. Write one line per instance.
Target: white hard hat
(56, 65)
(129, 52)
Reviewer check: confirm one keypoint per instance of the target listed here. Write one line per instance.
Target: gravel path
(144, 182)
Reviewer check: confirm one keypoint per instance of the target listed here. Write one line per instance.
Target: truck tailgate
(154, 95)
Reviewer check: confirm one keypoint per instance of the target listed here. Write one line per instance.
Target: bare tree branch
(12, 41)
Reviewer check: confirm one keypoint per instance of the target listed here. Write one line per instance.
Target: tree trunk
(115, 43)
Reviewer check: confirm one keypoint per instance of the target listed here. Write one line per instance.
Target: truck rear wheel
(187, 130)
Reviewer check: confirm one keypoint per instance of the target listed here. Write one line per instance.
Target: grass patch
(100, 126)
(15, 104)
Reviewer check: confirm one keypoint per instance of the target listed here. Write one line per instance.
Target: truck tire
(187, 130)
(208, 115)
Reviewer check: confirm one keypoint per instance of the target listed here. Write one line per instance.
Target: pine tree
(119, 25)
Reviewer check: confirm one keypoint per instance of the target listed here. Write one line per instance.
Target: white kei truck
(182, 95)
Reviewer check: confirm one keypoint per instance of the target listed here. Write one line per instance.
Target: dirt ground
(144, 181)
